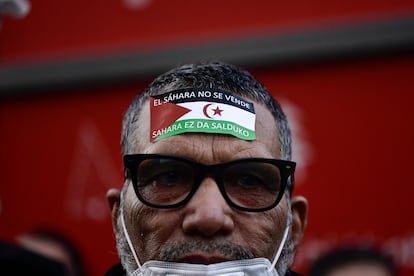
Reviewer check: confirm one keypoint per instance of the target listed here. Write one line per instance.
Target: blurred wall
(343, 72)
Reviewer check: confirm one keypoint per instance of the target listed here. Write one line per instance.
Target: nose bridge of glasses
(213, 171)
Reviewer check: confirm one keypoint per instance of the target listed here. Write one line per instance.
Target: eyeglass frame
(201, 170)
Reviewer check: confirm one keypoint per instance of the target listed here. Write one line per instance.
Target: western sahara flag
(168, 119)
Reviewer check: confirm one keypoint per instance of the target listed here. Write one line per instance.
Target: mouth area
(204, 252)
(202, 259)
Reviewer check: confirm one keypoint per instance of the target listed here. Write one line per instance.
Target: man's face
(206, 230)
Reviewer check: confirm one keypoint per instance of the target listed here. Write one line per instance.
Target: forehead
(211, 147)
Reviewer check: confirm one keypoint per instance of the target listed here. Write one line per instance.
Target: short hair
(349, 255)
(77, 265)
(214, 74)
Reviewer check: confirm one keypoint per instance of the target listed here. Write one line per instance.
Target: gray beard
(171, 253)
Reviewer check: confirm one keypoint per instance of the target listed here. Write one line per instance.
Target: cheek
(151, 229)
(263, 232)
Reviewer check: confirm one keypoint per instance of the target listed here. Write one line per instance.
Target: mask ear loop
(282, 244)
(124, 229)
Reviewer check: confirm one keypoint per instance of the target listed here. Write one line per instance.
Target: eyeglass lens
(251, 184)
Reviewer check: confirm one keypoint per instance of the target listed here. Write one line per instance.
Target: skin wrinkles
(158, 228)
(146, 241)
(154, 235)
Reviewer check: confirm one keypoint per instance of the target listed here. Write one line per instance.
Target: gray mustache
(230, 250)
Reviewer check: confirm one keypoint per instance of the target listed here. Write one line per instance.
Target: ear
(299, 206)
(114, 198)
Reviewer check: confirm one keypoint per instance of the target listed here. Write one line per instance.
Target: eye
(253, 175)
(249, 181)
(167, 178)
(161, 173)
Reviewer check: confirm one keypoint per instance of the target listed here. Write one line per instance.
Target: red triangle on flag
(163, 114)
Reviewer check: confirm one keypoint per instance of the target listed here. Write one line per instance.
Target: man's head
(207, 227)
(56, 246)
(353, 261)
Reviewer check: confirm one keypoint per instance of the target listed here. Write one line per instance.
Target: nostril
(207, 213)
(208, 223)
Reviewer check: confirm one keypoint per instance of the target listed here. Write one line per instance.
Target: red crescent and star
(217, 111)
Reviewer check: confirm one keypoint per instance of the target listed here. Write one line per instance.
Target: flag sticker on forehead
(207, 110)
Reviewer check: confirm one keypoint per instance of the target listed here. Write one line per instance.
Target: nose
(208, 213)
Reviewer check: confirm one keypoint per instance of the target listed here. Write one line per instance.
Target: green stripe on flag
(206, 126)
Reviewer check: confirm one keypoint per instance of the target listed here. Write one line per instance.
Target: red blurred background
(351, 113)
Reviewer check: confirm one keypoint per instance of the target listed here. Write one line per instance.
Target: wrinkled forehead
(187, 122)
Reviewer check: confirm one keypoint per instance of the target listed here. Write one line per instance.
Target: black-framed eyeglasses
(250, 184)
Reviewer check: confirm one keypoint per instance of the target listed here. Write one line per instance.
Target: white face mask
(250, 267)
(257, 266)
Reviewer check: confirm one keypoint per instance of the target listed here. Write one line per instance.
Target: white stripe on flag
(230, 113)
